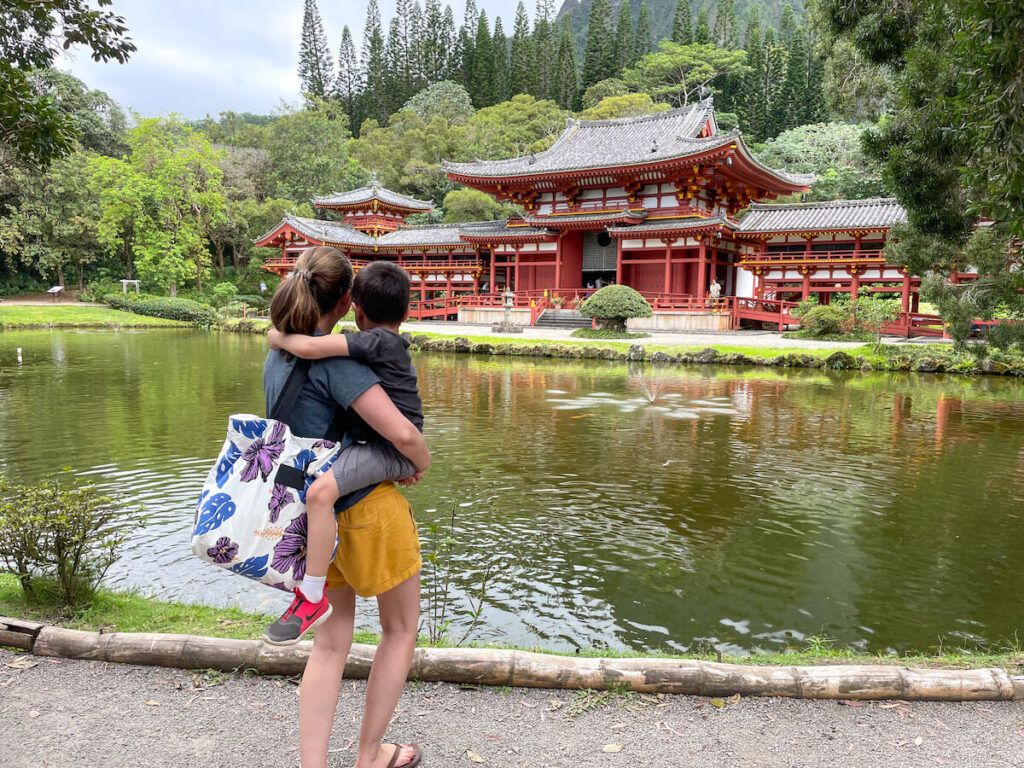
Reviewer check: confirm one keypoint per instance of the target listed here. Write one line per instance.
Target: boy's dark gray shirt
(387, 354)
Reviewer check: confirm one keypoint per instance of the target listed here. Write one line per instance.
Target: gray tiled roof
(500, 230)
(576, 218)
(874, 213)
(669, 225)
(371, 192)
(431, 234)
(327, 231)
(604, 143)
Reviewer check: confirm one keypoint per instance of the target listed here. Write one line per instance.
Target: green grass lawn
(131, 612)
(77, 316)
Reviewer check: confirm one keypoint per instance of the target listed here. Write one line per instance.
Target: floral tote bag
(251, 514)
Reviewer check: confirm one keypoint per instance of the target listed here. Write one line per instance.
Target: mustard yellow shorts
(378, 544)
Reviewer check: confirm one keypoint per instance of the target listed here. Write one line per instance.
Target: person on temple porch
(714, 291)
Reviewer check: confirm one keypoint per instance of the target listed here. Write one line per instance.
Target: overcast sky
(199, 57)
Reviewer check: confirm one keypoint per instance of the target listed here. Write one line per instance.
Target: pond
(608, 505)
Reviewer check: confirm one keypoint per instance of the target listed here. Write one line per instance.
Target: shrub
(873, 313)
(253, 301)
(69, 534)
(224, 294)
(184, 310)
(613, 305)
(826, 320)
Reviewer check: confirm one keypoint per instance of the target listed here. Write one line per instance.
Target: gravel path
(74, 713)
(766, 339)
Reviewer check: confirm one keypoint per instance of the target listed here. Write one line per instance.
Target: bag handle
(285, 403)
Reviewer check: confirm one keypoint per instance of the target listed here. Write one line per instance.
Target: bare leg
(399, 618)
(323, 526)
(321, 682)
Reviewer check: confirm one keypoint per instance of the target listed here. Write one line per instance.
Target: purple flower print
(261, 454)
(223, 551)
(290, 551)
(280, 498)
(328, 444)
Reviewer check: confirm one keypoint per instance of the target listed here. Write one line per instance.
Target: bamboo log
(479, 666)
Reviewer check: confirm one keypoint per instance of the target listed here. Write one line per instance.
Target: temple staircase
(566, 319)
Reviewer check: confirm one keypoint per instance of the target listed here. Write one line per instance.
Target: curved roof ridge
(826, 204)
(653, 116)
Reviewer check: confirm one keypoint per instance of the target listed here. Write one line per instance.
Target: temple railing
(772, 311)
(873, 258)
(682, 302)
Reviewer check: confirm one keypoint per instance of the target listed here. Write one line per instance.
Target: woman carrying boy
(377, 543)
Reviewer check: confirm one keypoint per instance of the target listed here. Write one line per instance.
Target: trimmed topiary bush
(184, 310)
(612, 305)
(826, 320)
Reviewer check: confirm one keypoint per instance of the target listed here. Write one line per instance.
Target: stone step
(562, 318)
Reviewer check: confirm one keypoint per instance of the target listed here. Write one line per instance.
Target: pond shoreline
(131, 612)
(888, 358)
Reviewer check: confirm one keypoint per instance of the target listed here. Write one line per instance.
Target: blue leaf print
(304, 458)
(213, 513)
(227, 463)
(251, 428)
(199, 505)
(254, 567)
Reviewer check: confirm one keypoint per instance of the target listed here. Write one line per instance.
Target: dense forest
(821, 87)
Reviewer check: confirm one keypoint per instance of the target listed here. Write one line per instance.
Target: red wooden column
(854, 282)
(490, 285)
(905, 292)
(558, 261)
(668, 266)
(618, 261)
(805, 291)
(517, 268)
(702, 270)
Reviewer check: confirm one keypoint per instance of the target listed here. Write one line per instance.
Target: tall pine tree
(523, 64)
(726, 30)
(452, 48)
(682, 23)
(434, 46)
(754, 111)
(703, 32)
(623, 49)
(545, 48)
(316, 66)
(565, 83)
(787, 24)
(350, 79)
(374, 67)
(774, 76)
(417, 78)
(483, 86)
(499, 44)
(597, 54)
(789, 109)
(467, 45)
(643, 31)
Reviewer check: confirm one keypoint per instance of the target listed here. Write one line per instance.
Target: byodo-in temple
(665, 203)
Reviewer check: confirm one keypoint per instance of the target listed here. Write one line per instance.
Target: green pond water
(629, 507)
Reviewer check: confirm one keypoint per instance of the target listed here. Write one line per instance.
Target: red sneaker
(301, 616)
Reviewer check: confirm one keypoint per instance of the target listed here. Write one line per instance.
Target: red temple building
(664, 203)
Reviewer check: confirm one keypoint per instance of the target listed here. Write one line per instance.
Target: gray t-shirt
(387, 354)
(334, 382)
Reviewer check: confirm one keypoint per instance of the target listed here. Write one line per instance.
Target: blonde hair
(321, 277)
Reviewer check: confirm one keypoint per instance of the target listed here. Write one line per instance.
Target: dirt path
(73, 713)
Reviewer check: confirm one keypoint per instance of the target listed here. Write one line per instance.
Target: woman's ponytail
(321, 277)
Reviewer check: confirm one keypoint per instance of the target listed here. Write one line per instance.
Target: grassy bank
(919, 358)
(14, 317)
(129, 612)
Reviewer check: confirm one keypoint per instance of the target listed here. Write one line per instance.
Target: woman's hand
(274, 337)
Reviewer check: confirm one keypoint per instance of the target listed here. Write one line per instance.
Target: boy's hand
(275, 337)
(408, 481)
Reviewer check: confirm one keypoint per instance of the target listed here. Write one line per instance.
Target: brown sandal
(417, 756)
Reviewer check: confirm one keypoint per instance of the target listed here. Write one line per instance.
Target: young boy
(380, 297)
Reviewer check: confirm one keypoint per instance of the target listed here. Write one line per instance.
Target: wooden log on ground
(533, 670)
(17, 633)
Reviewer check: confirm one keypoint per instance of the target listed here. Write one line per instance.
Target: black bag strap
(285, 403)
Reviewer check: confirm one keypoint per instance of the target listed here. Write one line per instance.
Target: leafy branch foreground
(67, 535)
